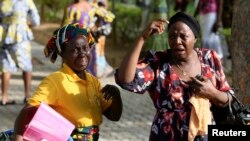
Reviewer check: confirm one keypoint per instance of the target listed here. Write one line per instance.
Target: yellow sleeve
(6, 6)
(107, 15)
(45, 92)
(104, 104)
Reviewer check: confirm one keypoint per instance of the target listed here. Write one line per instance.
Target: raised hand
(157, 26)
(110, 91)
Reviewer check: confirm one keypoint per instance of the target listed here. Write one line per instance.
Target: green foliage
(127, 21)
(51, 11)
(227, 31)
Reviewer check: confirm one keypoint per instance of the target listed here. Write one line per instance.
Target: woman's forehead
(180, 26)
(77, 42)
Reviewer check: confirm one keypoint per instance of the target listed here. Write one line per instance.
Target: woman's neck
(81, 75)
(188, 67)
(190, 59)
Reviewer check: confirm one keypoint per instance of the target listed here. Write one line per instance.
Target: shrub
(127, 22)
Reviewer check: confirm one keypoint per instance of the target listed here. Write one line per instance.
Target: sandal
(11, 102)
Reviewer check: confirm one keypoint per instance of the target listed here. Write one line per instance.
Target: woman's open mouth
(179, 50)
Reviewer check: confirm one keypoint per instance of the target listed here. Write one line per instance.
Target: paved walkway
(137, 109)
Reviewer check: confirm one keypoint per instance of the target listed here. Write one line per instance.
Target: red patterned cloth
(170, 96)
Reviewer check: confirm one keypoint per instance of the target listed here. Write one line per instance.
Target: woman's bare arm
(127, 68)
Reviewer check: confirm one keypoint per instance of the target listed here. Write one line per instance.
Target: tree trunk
(241, 49)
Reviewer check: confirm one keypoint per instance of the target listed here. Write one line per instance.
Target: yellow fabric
(16, 20)
(107, 15)
(87, 19)
(73, 15)
(1, 33)
(6, 6)
(80, 101)
(200, 117)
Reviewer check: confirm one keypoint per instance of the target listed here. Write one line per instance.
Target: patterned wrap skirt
(16, 56)
(90, 133)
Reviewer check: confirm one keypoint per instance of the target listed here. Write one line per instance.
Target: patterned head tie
(63, 35)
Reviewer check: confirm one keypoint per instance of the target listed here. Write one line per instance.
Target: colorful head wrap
(63, 35)
(188, 20)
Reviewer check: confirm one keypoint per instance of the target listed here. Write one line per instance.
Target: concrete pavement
(137, 109)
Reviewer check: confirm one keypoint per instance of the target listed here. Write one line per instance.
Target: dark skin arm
(22, 120)
(114, 112)
(127, 67)
(204, 88)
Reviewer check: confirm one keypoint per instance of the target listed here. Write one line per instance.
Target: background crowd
(98, 19)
